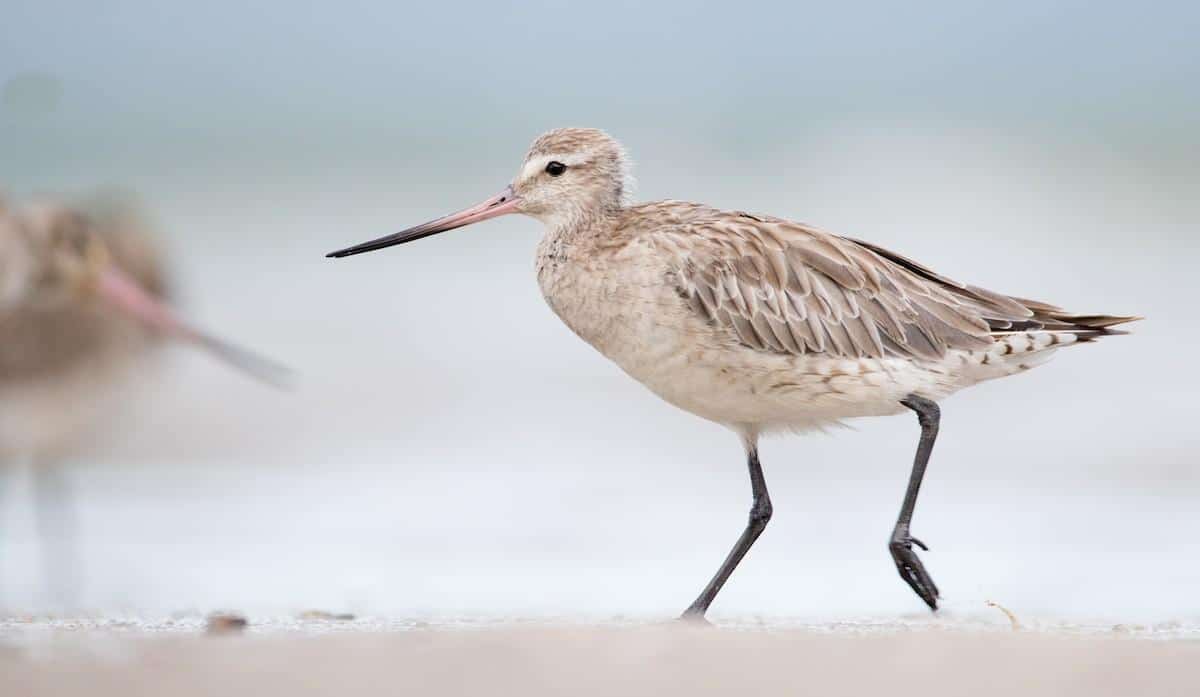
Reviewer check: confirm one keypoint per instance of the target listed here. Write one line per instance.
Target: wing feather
(784, 287)
(779, 286)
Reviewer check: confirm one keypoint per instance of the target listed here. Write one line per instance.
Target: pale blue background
(452, 449)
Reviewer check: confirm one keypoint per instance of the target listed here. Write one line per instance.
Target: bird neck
(582, 225)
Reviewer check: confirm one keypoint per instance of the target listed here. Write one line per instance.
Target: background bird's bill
(124, 293)
(502, 203)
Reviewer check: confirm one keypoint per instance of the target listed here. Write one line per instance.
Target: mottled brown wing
(784, 287)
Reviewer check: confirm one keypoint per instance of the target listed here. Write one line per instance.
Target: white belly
(755, 391)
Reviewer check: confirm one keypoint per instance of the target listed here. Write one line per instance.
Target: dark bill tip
(409, 235)
(500, 204)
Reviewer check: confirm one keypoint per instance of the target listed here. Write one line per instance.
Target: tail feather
(1096, 321)
(1087, 327)
(1050, 318)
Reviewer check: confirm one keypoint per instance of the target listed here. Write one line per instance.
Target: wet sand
(655, 659)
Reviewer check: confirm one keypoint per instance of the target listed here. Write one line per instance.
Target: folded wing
(784, 287)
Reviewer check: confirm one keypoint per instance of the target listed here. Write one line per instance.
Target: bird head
(568, 175)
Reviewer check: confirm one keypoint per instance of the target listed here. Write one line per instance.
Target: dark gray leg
(901, 546)
(760, 513)
(57, 530)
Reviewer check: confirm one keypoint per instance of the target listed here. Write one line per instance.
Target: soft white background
(451, 449)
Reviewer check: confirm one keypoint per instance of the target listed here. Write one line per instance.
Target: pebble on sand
(225, 623)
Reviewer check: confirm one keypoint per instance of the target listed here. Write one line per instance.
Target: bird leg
(901, 545)
(3, 482)
(760, 513)
(57, 530)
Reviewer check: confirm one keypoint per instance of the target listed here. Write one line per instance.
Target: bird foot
(910, 567)
(694, 618)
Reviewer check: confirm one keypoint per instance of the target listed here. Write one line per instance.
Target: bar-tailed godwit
(83, 301)
(758, 323)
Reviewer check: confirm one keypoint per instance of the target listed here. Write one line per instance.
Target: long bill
(501, 204)
(124, 293)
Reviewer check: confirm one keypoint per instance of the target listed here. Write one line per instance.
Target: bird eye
(555, 168)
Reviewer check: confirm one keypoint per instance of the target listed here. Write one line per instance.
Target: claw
(912, 570)
(917, 579)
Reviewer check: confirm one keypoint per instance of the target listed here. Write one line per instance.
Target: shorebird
(759, 323)
(83, 302)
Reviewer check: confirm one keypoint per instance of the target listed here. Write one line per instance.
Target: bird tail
(1049, 318)
(1023, 344)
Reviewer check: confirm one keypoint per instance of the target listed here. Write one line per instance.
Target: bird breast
(613, 297)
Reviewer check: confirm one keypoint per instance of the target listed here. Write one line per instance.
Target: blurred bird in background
(84, 295)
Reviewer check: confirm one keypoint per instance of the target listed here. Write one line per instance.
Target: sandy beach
(331, 658)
